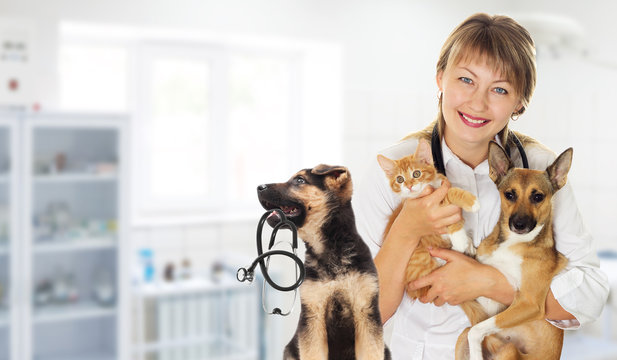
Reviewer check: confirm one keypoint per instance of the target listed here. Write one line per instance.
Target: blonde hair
(506, 45)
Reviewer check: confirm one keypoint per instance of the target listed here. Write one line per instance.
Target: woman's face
(477, 102)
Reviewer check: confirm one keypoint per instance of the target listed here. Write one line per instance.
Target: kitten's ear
(423, 152)
(558, 171)
(388, 165)
(498, 161)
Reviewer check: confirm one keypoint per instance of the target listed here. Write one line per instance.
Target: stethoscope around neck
(438, 155)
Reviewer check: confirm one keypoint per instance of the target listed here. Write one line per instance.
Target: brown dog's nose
(262, 187)
(522, 224)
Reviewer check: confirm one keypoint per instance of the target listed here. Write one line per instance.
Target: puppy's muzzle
(522, 224)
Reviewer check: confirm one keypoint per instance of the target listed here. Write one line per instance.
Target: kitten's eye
(537, 197)
(416, 174)
(510, 195)
(400, 179)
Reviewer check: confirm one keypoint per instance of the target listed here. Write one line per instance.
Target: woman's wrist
(497, 286)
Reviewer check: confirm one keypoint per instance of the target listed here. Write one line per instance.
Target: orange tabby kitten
(408, 177)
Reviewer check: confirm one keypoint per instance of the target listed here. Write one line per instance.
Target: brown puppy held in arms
(522, 247)
(339, 317)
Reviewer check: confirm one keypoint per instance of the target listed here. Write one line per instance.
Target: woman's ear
(439, 78)
(520, 108)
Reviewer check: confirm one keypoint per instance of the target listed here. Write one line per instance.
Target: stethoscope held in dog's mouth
(244, 274)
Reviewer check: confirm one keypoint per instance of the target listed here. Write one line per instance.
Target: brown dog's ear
(498, 161)
(337, 178)
(557, 172)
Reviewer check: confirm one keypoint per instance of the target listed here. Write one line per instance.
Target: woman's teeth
(472, 120)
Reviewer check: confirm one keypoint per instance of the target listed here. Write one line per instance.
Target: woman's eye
(501, 91)
(400, 179)
(466, 80)
(416, 174)
(510, 195)
(537, 198)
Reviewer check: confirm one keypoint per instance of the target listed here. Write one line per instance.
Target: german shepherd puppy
(339, 318)
(522, 247)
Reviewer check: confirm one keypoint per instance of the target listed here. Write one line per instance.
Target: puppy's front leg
(477, 334)
(369, 336)
(521, 311)
(312, 334)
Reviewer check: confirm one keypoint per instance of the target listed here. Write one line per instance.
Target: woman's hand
(462, 279)
(424, 215)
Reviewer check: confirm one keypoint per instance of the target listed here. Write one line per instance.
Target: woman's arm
(464, 278)
(418, 217)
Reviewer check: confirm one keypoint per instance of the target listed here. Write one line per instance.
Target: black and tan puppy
(339, 318)
(522, 247)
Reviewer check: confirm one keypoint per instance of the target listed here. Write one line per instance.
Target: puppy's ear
(337, 178)
(387, 165)
(424, 152)
(557, 172)
(498, 161)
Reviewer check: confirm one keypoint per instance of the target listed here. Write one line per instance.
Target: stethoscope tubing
(244, 274)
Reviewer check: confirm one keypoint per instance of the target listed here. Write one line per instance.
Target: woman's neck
(472, 154)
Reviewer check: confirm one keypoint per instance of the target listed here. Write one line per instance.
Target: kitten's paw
(470, 251)
(475, 207)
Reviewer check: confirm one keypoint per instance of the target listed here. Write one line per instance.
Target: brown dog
(340, 316)
(522, 247)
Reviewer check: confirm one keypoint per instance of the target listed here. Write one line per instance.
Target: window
(211, 117)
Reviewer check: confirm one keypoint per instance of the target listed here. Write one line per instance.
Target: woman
(486, 75)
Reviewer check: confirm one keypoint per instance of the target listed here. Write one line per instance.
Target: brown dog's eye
(400, 179)
(416, 174)
(537, 197)
(510, 195)
(300, 180)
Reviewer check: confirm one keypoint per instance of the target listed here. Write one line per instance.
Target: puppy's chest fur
(342, 273)
(350, 288)
(509, 254)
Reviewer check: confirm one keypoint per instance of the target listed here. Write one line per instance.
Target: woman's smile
(472, 121)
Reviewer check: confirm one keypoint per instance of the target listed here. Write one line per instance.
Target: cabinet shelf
(69, 178)
(79, 357)
(70, 312)
(187, 287)
(89, 244)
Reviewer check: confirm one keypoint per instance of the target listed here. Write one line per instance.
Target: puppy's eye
(536, 198)
(400, 179)
(300, 180)
(510, 195)
(416, 174)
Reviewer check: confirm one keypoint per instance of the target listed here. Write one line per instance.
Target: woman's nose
(478, 101)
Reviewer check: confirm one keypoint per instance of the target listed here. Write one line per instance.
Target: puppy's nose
(262, 187)
(522, 224)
